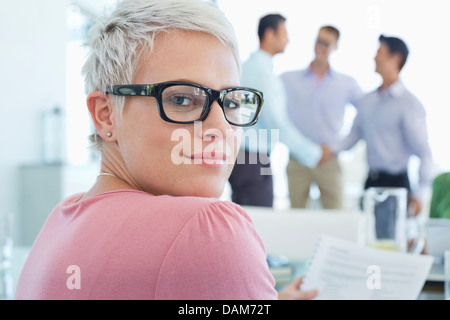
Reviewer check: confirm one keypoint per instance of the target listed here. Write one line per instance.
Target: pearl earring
(109, 134)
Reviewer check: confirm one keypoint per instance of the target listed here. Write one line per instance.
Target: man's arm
(275, 116)
(351, 139)
(416, 135)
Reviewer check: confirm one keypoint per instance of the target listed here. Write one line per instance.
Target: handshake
(327, 154)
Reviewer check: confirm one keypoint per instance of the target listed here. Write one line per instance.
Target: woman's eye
(232, 104)
(181, 100)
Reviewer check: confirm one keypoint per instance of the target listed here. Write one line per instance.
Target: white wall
(32, 79)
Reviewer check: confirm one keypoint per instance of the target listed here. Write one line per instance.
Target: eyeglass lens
(189, 103)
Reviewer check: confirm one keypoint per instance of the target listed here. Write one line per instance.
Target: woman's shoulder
(135, 200)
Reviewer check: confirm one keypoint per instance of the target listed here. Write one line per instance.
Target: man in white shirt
(317, 98)
(251, 180)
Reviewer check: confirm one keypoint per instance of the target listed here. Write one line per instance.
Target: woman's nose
(215, 123)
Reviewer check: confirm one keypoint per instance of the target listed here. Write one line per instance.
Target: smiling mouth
(208, 158)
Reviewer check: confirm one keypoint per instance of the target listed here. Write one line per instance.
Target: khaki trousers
(328, 178)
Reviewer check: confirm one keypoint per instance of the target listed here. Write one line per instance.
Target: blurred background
(44, 127)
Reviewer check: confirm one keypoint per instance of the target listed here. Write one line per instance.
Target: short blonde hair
(116, 42)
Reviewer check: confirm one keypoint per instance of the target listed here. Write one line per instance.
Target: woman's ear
(101, 110)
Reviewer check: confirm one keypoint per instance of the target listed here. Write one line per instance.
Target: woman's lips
(208, 158)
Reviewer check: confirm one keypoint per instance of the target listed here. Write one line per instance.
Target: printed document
(343, 270)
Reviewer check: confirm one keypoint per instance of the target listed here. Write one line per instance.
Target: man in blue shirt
(317, 99)
(251, 180)
(392, 122)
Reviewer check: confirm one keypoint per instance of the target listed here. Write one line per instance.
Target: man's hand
(415, 206)
(327, 154)
(293, 292)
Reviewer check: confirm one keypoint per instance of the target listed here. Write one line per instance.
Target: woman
(152, 226)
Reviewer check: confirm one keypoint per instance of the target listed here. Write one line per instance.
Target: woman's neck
(112, 175)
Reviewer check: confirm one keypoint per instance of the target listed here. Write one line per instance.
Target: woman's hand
(293, 292)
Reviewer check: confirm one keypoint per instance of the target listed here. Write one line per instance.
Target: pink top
(128, 244)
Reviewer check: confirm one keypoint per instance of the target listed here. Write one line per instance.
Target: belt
(376, 174)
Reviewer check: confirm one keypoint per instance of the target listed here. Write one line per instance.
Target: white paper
(343, 270)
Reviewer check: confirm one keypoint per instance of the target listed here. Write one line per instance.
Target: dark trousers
(385, 179)
(251, 180)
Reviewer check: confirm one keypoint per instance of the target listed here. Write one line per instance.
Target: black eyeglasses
(184, 102)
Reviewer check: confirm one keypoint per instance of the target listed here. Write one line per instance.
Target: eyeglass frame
(155, 90)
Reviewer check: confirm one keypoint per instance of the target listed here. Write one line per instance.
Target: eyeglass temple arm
(131, 90)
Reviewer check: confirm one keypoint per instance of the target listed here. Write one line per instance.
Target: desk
(293, 233)
(433, 288)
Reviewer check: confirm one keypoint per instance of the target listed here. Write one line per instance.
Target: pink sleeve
(218, 255)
